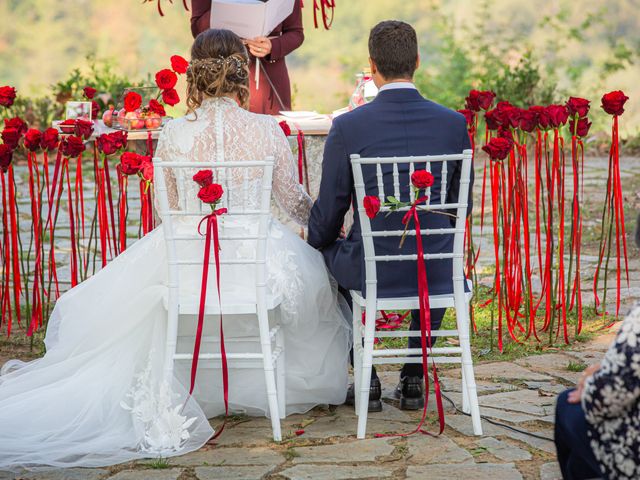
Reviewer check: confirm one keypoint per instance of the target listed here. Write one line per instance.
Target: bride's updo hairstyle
(219, 67)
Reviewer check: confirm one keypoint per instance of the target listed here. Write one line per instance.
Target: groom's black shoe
(375, 393)
(410, 392)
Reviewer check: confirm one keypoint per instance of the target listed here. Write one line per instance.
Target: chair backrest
(173, 218)
(401, 170)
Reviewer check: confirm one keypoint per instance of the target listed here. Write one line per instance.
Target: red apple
(153, 121)
(134, 121)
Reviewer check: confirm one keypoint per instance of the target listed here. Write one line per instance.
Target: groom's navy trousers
(397, 123)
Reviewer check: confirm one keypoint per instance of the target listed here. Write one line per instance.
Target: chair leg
(465, 394)
(281, 373)
(171, 338)
(367, 364)
(462, 314)
(269, 374)
(357, 353)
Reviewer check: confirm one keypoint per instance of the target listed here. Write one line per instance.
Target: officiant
(273, 93)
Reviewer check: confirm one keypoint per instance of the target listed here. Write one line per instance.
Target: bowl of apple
(140, 119)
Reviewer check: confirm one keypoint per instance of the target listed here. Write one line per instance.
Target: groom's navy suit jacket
(398, 122)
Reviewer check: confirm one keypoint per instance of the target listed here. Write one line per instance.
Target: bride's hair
(219, 67)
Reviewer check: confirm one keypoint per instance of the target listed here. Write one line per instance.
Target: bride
(96, 398)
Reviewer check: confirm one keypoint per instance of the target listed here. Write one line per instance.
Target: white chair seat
(190, 305)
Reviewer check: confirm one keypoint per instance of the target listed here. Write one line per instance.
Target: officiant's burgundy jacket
(290, 35)
(397, 123)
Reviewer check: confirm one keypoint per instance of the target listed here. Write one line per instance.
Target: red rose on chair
(11, 137)
(156, 107)
(119, 138)
(179, 64)
(170, 97)
(613, 102)
(17, 123)
(132, 101)
(421, 179)
(130, 163)
(166, 79)
(371, 205)
(286, 129)
(146, 168)
(7, 96)
(89, 92)
(581, 129)
(32, 139)
(83, 128)
(72, 146)
(6, 155)
(498, 148)
(203, 178)
(49, 139)
(578, 106)
(211, 194)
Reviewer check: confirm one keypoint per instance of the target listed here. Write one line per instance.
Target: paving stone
(503, 450)
(7, 476)
(548, 387)
(507, 371)
(550, 471)
(483, 386)
(231, 456)
(343, 426)
(361, 451)
(171, 474)
(511, 417)
(236, 473)
(525, 401)
(493, 471)
(425, 449)
(551, 364)
(336, 472)
(64, 474)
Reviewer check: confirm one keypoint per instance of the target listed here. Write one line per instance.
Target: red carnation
(421, 179)
(582, 127)
(578, 106)
(528, 120)
(89, 92)
(132, 101)
(170, 97)
(32, 139)
(179, 64)
(50, 139)
(211, 193)
(286, 129)
(72, 146)
(11, 137)
(130, 163)
(6, 155)
(146, 168)
(83, 128)
(166, 79)
(613, 102)
(371, 205)
(468, 115)
(203, 178)
(17, 123)
(498, 148)
(156, 107)
(7, 96)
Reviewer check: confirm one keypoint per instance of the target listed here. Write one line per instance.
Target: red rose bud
(203, 178)
(492, 118)
(11, 137)
(371, 205)
(146, 168)
(613, 102)
(156, 107)
(211, 193)
(72, 146)
(83, 128)
(89, 92)
(130, 163)
(179, 64)
(170, 97)
(50, 139)
(132, 101)
(32, 139)
(558, 115)
(468, 115)
(581, 129)
(421, 179)
(528, 120)
(498, 148)
(286, 129)
(6, 155)
(17, 123)
(166, 79)
(578, 106)
(544, 121)
(7, 96)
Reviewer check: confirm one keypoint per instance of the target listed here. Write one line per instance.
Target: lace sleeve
(166, 152)
(287, 191)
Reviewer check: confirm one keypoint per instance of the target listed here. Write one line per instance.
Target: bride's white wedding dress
(97, 397)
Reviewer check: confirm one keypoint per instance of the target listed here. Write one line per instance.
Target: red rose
(106, 144)
(211, 193)
(371, 205)
(6, 155)
(479, 100)
(83, 128)
(119, 138)
(170, 97)
(50, 139)
(146, 168)
(421, 179)
(581, 129)
(156, 106)
(544, 121)
(17, 123)
(132, 101)
(613, 102)
(203, 178)
(508, 114)
(89, 92)
(32, 139)
(286, 129)
(498, 148)
(558, 115)
(493, 119)
(11, 137)
(528, 120)
(95, 109)
(130, 163)
(166, 79)
(505, 132)
(578, 106)
(7, 96)
(72, 146)
(468, 115)
(179, 64)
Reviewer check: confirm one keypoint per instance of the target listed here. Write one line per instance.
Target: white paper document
(249, 18)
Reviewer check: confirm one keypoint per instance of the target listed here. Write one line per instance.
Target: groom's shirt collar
(397, 86)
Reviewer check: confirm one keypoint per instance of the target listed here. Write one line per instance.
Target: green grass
(576, 366)
(159, 463)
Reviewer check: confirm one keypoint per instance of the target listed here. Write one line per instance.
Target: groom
(399, 122)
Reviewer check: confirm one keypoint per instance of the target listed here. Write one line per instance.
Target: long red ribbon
(6, 295)
(13, 217)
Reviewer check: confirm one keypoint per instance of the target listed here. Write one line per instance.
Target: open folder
(249, 18)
